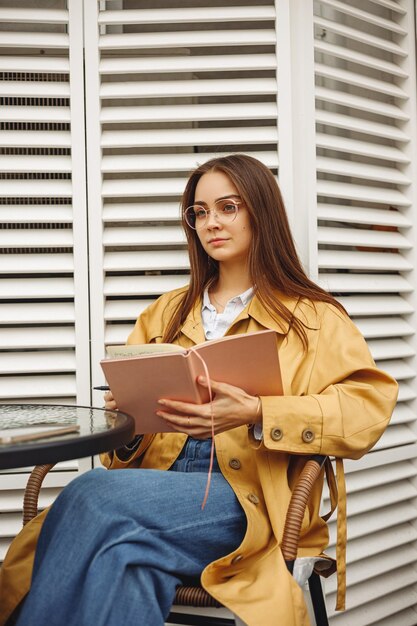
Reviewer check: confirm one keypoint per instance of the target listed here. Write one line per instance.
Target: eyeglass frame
(237, 204)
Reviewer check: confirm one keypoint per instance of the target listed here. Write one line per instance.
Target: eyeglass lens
(226, 210)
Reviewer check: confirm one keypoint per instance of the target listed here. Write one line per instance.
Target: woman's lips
(217, 242)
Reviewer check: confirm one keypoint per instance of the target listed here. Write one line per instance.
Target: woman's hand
(110, 403)
(231, 407)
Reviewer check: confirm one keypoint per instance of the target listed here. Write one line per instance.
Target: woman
(115, 544)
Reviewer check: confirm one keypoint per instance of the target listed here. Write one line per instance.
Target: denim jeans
(115, 544)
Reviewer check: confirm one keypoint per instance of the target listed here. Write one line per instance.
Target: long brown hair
(273, 261)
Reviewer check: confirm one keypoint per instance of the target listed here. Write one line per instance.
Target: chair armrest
(297, 506)
(33, 487)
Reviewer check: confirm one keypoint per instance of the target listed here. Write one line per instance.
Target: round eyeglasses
(225, 212)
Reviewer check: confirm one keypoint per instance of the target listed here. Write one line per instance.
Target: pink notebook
(248, 361)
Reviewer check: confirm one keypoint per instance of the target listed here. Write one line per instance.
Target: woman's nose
(212, 221)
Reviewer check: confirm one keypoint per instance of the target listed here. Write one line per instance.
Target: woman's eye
(229, 208)
(200, 213)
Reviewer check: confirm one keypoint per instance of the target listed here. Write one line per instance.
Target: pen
(41, 435)
(102, 388)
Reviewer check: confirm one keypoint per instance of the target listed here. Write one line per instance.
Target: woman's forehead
(214, 185)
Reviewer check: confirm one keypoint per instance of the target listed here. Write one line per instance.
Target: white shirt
(216, 324)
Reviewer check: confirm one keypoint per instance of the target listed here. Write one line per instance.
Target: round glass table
(35, 434)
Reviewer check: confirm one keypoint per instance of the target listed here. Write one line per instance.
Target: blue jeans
(115, 544)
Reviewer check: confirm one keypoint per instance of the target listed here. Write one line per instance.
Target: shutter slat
(18, 238)
(35, 139)
(33, 16)
(364, 283)
(176, 64)
(374, 305)
(377, 588)
(365, 16)
(359, 35)
(359, 80)
(37, 362)
(37, 313)
(38, 213)
(34, 89)
(143, 188)
(354, 260)
(360, 103)
(37, 337)
(149, 260)
(376, 543)
(142, 285)
(188, 39)
(188, 137)
(33, 40)
(36, 188)
(371, 478)
(159, 89)
(35, 263)
(187, 112)
(35, 163)
(353, 56)
(171, 162)
(36, 288)
(362, 215)
(160, 236)
(185, 15)
(406, 393)
(143, 212)
(37, 386)
(36, 114)
(390, 604)
(359, 125)
(384, 327)
(117, 310)
(362, 193)
(396, 435)
(390, 349)
(376, 564)
(362, 148)
(37, 64)
(379, 173)
(399, 370)
(362, 237)
(402, 414)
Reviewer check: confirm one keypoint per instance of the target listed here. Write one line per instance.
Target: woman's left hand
(231, 407)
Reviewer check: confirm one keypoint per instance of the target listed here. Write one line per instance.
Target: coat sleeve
(348, 403)
(144, 331)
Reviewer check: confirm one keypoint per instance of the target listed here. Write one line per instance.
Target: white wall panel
(365, 162)
(171, 86)
(44, 334)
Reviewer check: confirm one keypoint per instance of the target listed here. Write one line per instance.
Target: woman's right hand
(110, 402)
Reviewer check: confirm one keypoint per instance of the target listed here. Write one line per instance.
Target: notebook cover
(249, 361)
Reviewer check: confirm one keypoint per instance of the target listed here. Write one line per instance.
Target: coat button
(235, 464)
(276, 434)
(253, 498)
(237, 558)
(308, 436)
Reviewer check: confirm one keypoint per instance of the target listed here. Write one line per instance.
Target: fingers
(183, 407)
(109, 401)
(192, 425)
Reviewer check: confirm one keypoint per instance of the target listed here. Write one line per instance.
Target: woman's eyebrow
(230, 196)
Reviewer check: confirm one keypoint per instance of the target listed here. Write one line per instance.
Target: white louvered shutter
(366, 186)
(176, 86)
(43, 262)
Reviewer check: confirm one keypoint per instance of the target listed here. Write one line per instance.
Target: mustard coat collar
(193, 325)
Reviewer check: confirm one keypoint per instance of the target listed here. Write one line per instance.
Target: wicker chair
(196, 596)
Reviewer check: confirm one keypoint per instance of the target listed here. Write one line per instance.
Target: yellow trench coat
(333, 389)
